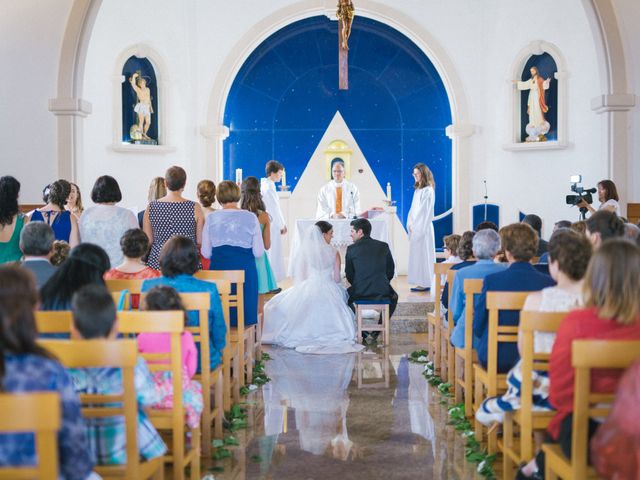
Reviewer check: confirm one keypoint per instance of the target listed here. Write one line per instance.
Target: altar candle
(284, 177)
(238, 176)
(389, 191)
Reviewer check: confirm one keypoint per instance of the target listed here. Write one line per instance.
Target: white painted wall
(198, 38)
(30, 37)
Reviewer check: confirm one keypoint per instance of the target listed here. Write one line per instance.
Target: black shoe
(370, 337)
(274, 292)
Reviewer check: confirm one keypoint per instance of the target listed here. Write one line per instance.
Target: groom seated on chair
(369, 267)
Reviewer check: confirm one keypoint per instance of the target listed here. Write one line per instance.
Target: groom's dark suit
(369, 268)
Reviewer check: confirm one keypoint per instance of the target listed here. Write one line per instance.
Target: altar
(341, 234)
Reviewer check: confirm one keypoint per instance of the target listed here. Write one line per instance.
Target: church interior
(409, 231)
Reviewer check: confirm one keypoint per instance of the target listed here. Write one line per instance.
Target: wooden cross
(345, 15)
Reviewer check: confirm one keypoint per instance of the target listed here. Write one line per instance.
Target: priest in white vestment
(339, 198)
(422, 247)
(278, 225)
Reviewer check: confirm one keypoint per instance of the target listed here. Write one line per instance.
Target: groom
(369, 267)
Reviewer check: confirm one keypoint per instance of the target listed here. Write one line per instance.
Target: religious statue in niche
(537, 126)
(345, 14)
(139, 102)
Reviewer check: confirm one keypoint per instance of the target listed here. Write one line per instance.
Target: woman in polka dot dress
(172, 215)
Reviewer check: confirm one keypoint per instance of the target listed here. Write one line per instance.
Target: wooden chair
(172, 420)
(119, 354)
(448, 356)
(59, 321)
(211, 380)
(528, 420)
(383, 327)
(37, 413)
(434, 320)
(489, 379)
(244, 336)
(466, 357)
(587, 355)
(117, 286)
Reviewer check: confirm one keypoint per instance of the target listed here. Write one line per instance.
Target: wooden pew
(434, 320)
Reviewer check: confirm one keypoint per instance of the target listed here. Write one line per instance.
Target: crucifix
(345, 16)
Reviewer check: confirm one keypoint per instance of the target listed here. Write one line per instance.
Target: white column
(69, 112)
(459, 133)
(214, 138)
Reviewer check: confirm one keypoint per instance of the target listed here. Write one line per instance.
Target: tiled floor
(314, 421)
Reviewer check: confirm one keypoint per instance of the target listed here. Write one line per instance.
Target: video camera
(581, 194)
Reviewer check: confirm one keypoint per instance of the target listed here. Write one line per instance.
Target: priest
(274, 171)
(339, 198)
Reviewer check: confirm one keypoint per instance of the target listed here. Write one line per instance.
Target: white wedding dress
(312, 316)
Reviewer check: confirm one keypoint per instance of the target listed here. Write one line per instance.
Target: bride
(313, 316)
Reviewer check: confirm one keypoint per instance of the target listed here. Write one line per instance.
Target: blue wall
(286, 94)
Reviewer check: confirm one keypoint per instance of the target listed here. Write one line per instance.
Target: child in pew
(167, 298)
(94, 316)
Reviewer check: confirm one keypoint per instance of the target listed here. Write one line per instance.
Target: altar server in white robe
(339, 198)
(422, 248)
(274, 171)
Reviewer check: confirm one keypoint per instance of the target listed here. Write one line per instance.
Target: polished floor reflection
(369, 415)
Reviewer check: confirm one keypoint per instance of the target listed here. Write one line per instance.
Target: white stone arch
(537, 47)
(163, 79)
(215, 131)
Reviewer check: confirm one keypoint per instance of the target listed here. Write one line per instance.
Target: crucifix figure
(345, 16)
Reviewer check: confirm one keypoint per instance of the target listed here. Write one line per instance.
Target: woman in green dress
(11, 220)
(251, 200)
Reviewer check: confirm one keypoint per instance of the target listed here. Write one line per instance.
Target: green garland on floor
(259, 376)
(473, 451)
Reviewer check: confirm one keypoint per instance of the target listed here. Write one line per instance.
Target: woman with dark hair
(607, 196)
(465, 254)
(172, 215)
(602, 226)
(611, 312)
(74, 201)
(179, 260)
(105, 222)
(11, 220)
(135, 246)
(251, 200)
(87, 264)
(422, 244)
(26, 367)
(292, 319)
(232, 239)
(65, 225)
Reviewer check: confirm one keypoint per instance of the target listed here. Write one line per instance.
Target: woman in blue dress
(63, 223)
(232, 239)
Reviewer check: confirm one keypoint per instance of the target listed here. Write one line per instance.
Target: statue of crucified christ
(345, 15)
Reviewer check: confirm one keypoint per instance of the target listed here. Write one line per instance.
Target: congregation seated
(632, 232)
(135, 247)
(64, 224)
(206, 192)
(450, 250)
(486, 225)
(160, 298)
(104, 223)
(94, 317)
(179, 260)
(232, 240)
(36, 243)
(580, 226)
(569, 254)
(535, 222)
(486, 244)
(86, 265)
(612, 312)
(544, 258)
(11, 220)
(602, 226)
(27, 367)
(465, 254)
(172, 215)
(74, 201)
(520, 244)
(157, 189)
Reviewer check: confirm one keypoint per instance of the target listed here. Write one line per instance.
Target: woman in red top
(612, 312)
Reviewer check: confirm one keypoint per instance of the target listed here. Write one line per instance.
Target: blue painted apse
(286, 94)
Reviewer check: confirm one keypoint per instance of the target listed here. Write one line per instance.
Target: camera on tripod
(581, 194)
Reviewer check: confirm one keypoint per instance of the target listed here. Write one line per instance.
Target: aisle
(313, 422)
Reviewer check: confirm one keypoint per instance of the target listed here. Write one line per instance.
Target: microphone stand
(353, 205)
(486, 197)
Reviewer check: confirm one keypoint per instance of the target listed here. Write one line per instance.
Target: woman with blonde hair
(422, 247)
(74, 201)
(157, 189)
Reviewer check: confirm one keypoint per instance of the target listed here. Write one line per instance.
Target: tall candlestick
(284, 177)
(238, 176)
(389, 191)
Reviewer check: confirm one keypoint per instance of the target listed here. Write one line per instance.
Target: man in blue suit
(520, 243)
